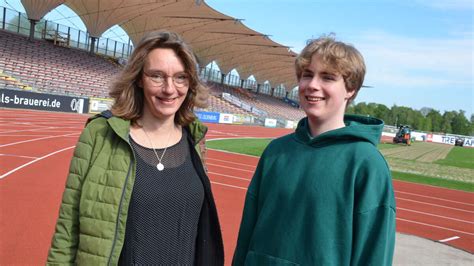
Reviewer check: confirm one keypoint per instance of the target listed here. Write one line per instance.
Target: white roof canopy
(212, 35)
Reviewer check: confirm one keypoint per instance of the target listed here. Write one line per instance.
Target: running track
(36, 147)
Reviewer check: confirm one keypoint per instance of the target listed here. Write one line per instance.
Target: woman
(137, 191)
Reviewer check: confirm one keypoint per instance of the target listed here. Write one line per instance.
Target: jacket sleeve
(249, 217)
(202, 151)
(65, 239)
(374, 218)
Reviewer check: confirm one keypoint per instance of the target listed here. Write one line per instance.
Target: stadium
(53, 77)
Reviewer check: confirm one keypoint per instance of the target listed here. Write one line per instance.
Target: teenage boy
(322, 195)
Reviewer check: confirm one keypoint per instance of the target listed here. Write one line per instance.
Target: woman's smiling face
(165, 83)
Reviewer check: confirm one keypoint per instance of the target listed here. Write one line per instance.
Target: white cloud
(415, 62)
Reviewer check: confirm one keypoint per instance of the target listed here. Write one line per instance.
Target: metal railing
(18, 22)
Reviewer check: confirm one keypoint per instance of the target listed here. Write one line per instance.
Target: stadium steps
(11, 82)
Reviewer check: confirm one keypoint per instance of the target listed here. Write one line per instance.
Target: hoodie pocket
(256, 258)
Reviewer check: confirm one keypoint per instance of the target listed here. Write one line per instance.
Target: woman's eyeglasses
(159, 79)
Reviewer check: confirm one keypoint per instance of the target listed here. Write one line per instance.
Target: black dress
(164, 209)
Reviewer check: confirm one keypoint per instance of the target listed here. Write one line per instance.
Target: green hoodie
(326, 200)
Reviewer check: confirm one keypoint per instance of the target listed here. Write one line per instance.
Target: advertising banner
(270, 122)
(226, 119)
(208, 117)
(290, 124)
(42, 101)
(97, 105)
(242, 119)
(468, 143)
(451, 140)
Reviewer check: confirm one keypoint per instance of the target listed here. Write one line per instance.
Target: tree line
(426, 119)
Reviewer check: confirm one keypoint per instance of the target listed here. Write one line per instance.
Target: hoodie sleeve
(249, 218)
(65, 239)
(374, 215)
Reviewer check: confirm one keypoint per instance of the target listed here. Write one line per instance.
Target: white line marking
(30, 140)
(26, 130)
(439, 216)
(20, 156)
(226, 185)
(234, 153)
(224, 133)
(39, 135)
(231, 162)
(419, 195)
(239, 137)
(449, 239)
(228, 167)
(435, 226)
(425, 185)
(231, 176)
(35, 160)
(437, 205)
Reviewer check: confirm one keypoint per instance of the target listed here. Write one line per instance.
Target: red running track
(35, 149)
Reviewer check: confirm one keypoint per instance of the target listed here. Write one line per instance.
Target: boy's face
(322, 92)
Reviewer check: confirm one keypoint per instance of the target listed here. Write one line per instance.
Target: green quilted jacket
(90, 229)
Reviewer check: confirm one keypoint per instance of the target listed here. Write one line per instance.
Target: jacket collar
(122, 128)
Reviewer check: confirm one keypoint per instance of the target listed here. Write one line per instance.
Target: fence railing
(18, 22)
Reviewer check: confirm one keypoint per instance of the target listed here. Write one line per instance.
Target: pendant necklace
(159, 166)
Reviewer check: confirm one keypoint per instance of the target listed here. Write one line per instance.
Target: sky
(418, 53)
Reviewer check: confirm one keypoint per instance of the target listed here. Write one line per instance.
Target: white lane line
(437, 205)
(241, 137)
(233, 153)
(39, 135)
(449, 239)
(228, 167)
(231, 162)
(231, 176)
(223, 133)
(30, 140)
(26, 130)
(35, 160)
(439, 216)
(419, 195)
(435, 226)
(431, 186)
(226, 185)
(20, 156)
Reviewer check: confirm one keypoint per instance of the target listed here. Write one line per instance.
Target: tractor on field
(403, 135)
(459, 142)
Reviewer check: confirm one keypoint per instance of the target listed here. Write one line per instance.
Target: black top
(165, 206)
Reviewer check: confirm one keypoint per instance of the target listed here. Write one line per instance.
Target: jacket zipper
(120, 206)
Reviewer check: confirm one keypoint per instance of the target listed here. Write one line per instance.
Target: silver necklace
(159, 166)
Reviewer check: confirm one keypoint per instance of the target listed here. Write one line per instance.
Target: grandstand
(51, 69)
(271, 106)
(82, 63)
(40, 65)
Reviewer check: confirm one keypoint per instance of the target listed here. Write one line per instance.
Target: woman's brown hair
(128, 95)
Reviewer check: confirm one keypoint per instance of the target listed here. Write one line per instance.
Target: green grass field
(249, 146)
(458, 157)
(383, 146)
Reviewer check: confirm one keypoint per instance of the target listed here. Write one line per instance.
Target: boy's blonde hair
(337, 56)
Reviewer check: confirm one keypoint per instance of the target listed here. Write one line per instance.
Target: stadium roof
(214, 36)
